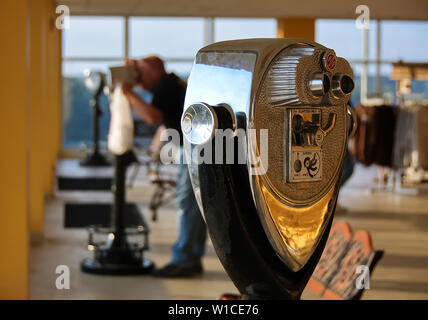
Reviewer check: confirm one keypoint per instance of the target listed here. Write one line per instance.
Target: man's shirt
(169, 96)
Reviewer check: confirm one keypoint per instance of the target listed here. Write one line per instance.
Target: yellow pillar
(46, 129)
(37, 113)
(54, 86)
(45, 105)
(30, 131)
(14, 136)
(302, 28)
(49, 116)
(58, 93)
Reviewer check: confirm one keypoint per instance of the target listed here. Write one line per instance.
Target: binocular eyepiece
(268, 208)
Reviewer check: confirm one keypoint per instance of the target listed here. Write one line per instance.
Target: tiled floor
(398, 224)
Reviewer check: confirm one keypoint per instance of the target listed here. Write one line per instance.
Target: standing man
(167, 106)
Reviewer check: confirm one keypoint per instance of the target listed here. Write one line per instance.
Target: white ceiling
(341, 9)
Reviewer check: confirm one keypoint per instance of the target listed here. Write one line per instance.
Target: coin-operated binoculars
(121, 253)
(266, 124)
(95, 82)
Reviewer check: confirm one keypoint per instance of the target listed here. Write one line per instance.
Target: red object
(331, 61)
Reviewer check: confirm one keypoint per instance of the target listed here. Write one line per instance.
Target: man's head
(150, 70)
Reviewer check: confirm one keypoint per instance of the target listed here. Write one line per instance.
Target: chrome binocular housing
(282, 105)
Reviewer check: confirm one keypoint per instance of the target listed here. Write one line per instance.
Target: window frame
(208, 38)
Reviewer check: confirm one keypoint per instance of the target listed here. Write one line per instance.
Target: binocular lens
(342, 85)
(346, 84)
(319, 84)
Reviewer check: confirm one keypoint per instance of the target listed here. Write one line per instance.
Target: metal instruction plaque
(306, 165)
(305, 139)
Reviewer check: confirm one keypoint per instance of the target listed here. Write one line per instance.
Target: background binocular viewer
(269, 216)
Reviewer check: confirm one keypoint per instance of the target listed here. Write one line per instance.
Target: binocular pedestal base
(139, 266)
(117, 257)
(95, 159)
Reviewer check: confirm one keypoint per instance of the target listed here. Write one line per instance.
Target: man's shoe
(176, 271)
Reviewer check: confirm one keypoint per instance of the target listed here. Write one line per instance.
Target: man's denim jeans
(190, 245)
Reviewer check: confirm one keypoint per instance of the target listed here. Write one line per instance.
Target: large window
(386, 41)
(176, 40)
(167, 37)
(99, 42)
(345, 38)
(91, 43)
(94, 37)
(232, 28)
(347, 41)
(404, 40)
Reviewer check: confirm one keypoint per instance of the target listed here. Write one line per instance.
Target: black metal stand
(118, 256)
(95, 158)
